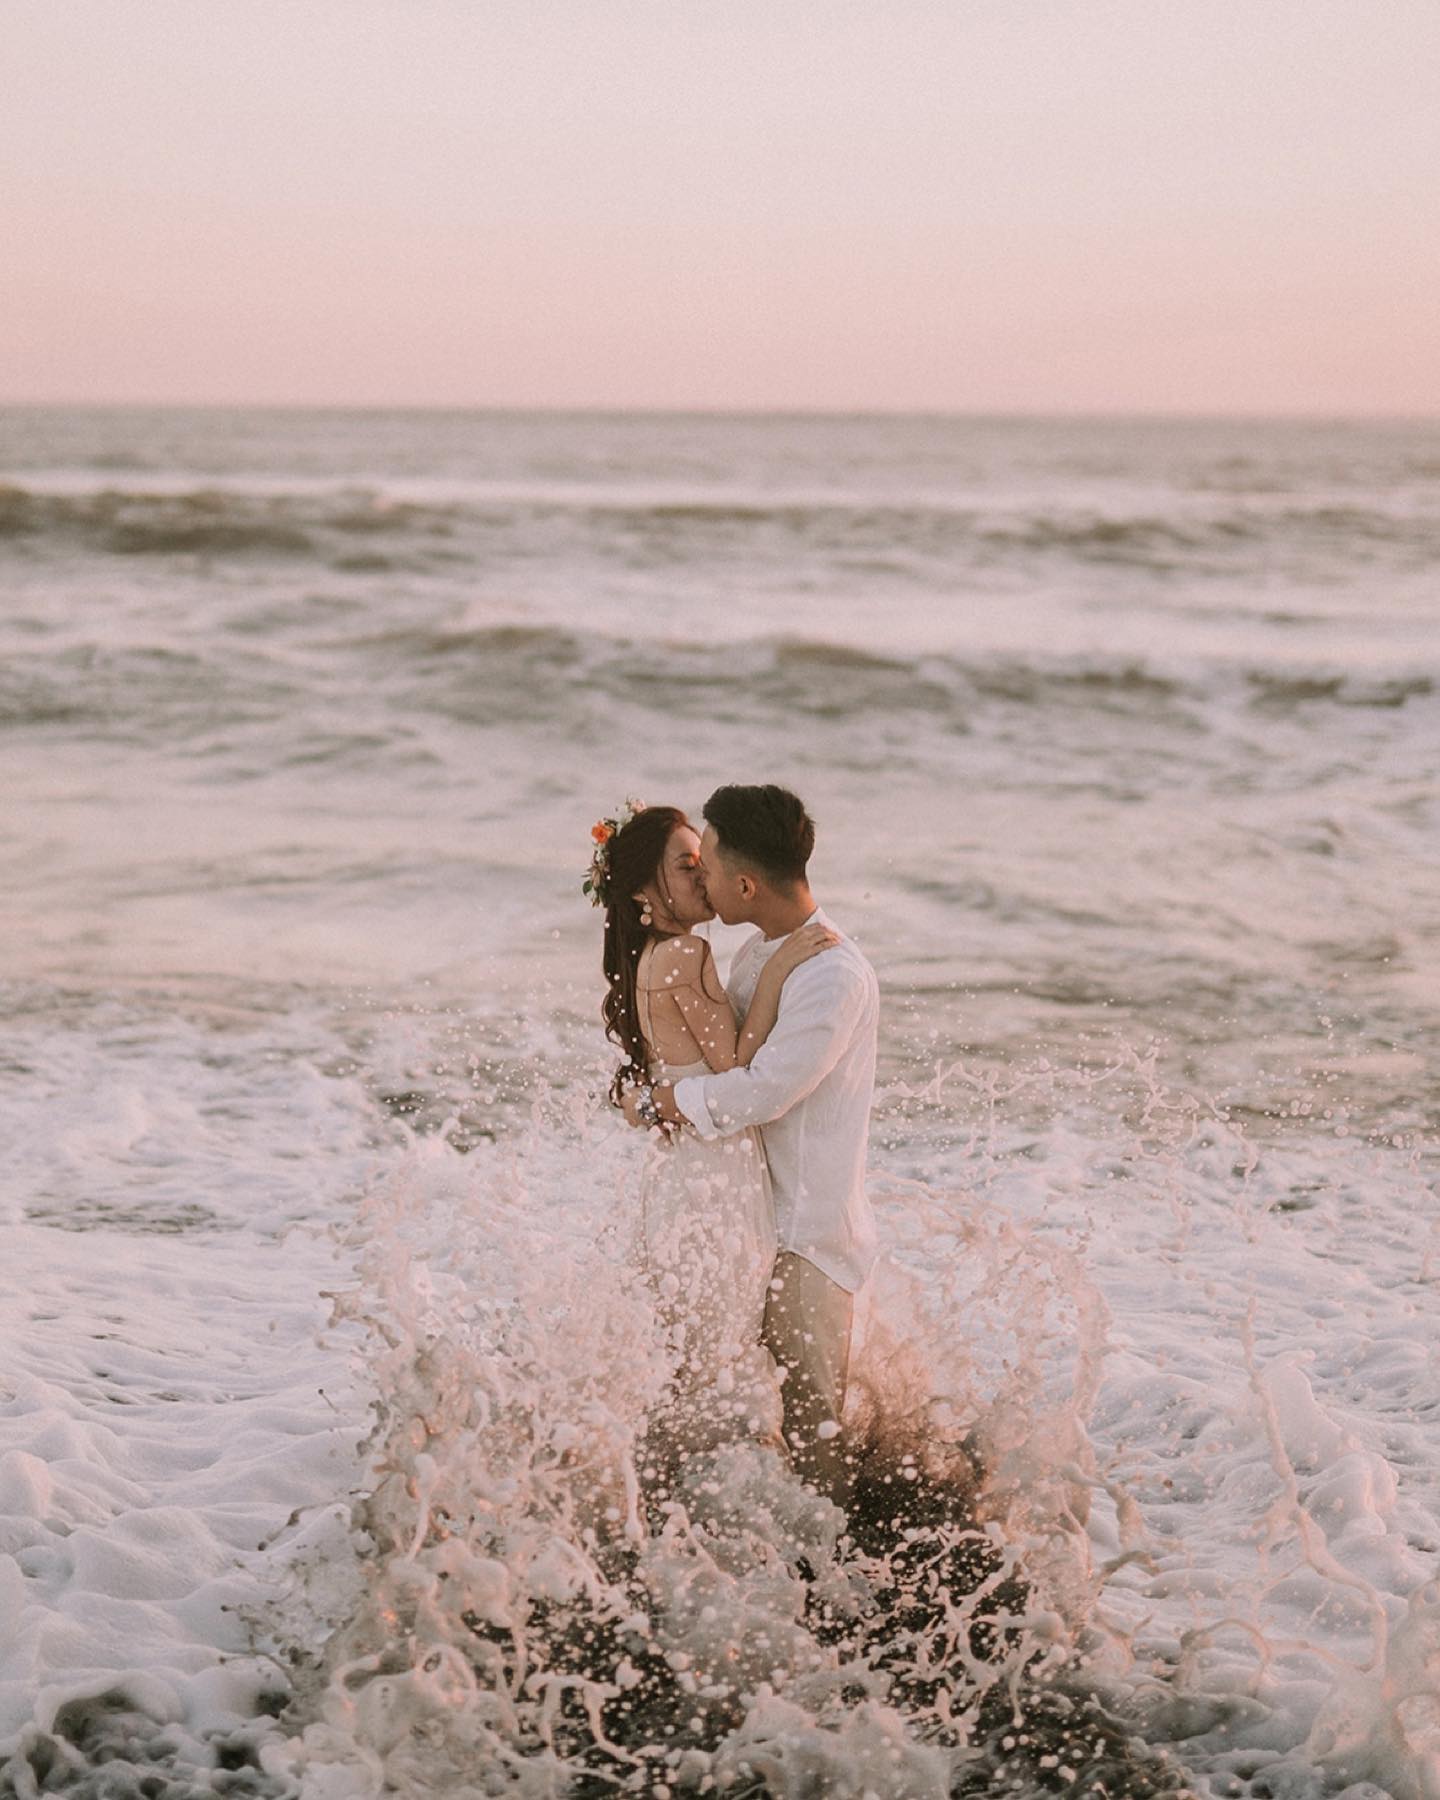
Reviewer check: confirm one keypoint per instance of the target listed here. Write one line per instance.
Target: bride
(707, 1221)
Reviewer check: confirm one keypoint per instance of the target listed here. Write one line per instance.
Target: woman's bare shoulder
(676, 962)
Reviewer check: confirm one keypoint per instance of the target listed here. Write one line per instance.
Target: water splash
(529, 1618)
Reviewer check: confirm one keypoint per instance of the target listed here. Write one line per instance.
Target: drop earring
(646, 917)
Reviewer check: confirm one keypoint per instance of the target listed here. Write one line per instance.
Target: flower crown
(597, 883)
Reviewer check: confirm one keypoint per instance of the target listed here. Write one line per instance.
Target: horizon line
(1018, 415)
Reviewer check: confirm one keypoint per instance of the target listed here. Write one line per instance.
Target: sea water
(321, 1368)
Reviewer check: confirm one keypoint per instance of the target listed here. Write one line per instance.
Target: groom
(809, 1088)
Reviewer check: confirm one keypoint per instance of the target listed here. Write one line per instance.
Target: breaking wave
(1208, 535)
(380, 685)
(210, 522)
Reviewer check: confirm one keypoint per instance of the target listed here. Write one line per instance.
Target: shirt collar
(770, 943)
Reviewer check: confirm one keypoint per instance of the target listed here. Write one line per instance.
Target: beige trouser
(807, 1330)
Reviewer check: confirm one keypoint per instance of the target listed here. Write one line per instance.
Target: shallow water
(1123, 743)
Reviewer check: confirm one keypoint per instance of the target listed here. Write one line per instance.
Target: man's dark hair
(767, 828)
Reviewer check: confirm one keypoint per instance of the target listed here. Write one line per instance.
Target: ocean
(319, 1363)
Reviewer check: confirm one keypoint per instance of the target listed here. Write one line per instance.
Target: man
(809, 1088)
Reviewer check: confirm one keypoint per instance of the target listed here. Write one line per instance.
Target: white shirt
(808, 1087)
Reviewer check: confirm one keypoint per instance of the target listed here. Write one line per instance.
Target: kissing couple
(756, 1232)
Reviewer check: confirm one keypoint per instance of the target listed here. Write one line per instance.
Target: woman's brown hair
(635, 854)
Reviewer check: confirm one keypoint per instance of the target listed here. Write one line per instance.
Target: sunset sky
(1014, 205)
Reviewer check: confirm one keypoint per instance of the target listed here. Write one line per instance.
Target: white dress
(708, 1242)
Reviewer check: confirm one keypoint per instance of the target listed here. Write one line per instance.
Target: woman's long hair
(636, 853)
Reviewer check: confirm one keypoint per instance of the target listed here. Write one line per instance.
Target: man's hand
(630, 1106)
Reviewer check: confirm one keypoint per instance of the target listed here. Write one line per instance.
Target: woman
(708, 1227)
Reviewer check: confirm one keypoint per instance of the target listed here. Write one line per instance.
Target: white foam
(1263, 1417)
(161, 1369)
(1206, 1420)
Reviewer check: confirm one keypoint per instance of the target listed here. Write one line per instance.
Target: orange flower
(602, 833)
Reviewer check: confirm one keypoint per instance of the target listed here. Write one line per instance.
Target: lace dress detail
(708, 1242)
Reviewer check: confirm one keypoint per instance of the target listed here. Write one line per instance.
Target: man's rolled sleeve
(818, 1010)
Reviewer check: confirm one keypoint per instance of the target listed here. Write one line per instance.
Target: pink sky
(1014, 205)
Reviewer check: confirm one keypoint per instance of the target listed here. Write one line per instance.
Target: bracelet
(646, 1110)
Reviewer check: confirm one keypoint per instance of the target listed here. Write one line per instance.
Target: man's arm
(820, 1005)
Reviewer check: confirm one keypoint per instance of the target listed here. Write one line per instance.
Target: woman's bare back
(684, 1013)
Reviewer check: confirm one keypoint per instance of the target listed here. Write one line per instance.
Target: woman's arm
(759, 1022)
(822, 1012)
(688, 976)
